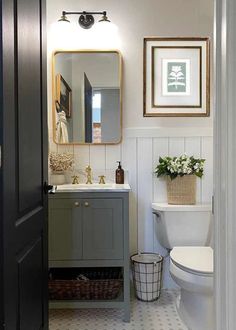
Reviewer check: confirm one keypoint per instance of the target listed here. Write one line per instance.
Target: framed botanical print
(176, 77)
(63, 95)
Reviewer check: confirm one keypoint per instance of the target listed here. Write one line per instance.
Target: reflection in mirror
(87, 97)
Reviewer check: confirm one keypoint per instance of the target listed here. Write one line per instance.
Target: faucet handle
(102, 179)
(75, 179)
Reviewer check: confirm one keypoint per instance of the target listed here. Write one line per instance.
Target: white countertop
(94, 187)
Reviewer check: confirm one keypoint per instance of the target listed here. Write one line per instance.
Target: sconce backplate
(86, 21)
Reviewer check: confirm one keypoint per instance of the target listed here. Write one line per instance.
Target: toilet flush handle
(157, 214)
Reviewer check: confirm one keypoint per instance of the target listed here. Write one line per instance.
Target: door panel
(23, 137)
(29, 104)
(103, 229)
(30, 265)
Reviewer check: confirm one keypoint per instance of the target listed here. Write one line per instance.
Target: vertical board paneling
(193, 148)
(160, 149)
(81, 157)
(97, 157)
(145, 179)
(176, 146)
(207, 180)
(113, 154)
(129, 159)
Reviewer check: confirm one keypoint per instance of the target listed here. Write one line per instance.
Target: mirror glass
(87, 97)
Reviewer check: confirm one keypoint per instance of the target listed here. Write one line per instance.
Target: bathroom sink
(84, 186)
(92, 187)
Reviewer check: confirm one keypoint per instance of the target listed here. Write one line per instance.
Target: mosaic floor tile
(158, 315)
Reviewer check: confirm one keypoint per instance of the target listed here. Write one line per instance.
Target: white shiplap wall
(139, 153)
(153, 189)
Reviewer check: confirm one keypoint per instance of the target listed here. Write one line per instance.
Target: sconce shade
(64, 19)
(104, 19)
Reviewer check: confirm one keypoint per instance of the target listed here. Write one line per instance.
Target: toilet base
(196, 310)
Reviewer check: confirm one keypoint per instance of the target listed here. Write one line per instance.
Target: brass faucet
(88, 170)
(75, 179)
(102, 179)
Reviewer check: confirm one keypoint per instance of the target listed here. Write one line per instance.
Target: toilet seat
(197, 260)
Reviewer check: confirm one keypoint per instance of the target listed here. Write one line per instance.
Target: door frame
(224, 160)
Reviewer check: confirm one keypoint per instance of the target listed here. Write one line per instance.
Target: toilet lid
(197, 259)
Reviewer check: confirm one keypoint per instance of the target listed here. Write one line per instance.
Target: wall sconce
(86, 19)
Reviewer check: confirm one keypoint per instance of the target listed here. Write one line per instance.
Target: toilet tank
(183, 225)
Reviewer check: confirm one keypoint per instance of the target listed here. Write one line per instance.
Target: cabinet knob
(86, 204)
(76, 204)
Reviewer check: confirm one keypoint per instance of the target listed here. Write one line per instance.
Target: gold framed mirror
(87, 97)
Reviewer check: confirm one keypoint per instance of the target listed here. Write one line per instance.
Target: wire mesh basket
(147, 275)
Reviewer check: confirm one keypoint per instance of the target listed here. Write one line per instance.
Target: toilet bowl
(192, 269)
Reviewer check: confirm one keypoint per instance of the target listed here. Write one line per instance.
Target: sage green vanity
(89, 227)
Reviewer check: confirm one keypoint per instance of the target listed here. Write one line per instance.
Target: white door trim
(225, 163)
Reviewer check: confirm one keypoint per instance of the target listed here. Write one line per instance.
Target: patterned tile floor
(158, 315)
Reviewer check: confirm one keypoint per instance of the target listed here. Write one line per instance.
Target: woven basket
(182, 190)
(101, 285)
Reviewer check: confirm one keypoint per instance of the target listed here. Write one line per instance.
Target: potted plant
(59, 163)
(180, 173)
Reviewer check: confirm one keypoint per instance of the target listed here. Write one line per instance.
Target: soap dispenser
(119, 174)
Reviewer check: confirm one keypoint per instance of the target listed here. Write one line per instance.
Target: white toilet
(186, 230)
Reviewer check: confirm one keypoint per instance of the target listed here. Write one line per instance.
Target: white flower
(182, 165)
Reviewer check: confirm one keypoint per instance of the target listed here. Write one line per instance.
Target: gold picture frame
(176, 77)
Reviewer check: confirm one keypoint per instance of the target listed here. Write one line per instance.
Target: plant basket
(181, 190)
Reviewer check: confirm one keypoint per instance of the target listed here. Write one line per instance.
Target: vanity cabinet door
(65, 229)
(102, 229)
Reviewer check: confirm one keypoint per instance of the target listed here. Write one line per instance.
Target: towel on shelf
(62, 131)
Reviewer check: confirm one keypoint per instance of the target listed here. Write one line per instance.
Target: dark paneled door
(23, 139)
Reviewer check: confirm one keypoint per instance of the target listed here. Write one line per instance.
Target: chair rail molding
(152, 132)
(224, 163)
